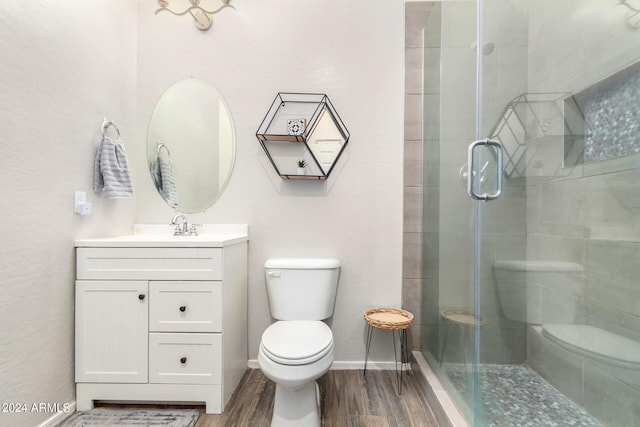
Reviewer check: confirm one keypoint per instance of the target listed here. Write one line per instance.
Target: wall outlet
(79, 197)
(84, 208)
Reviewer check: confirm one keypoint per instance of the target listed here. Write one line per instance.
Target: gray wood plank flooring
(348, 400)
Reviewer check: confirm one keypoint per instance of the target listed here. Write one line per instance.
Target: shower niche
(544, 133)
(303, 136)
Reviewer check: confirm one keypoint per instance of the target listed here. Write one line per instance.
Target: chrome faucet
(182, 228)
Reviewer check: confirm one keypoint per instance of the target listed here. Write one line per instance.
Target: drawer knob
(141, 297)
(183, 308)
(183, 360)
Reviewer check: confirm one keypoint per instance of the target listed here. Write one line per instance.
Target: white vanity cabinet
(160, 323)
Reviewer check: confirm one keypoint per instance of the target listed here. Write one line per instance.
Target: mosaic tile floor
(515, 396)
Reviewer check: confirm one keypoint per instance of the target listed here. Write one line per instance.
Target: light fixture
(633, 17)
(201, 16)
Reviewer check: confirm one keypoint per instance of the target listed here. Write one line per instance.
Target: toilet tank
(302, 288)
(529, 291)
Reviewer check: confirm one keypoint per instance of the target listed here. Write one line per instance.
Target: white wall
(351, 50)
(64, 65)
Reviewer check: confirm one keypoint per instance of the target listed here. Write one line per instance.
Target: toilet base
(297, 408)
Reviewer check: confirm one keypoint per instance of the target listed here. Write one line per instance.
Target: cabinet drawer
(185, 306)
(185, 358)
(149, 263)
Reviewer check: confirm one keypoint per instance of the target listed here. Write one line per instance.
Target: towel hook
(105, 126)
(162, 145)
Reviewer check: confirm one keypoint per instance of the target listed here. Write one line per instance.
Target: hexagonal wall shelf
(303, 128)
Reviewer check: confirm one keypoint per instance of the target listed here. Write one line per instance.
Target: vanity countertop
(161, 236)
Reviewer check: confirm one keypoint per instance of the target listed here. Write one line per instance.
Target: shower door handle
(471, 173)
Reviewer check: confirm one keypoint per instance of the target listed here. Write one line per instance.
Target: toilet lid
(297, 342)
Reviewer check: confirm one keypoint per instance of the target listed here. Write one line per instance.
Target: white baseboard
(58, 417)
(345, 365)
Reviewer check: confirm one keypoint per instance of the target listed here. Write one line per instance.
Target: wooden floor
(348, 400)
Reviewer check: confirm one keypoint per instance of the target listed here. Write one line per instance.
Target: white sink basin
(161, 236)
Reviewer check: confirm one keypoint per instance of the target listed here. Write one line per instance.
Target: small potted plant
(301, 165)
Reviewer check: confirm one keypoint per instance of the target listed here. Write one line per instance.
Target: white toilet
(525, 295)
(298, 347)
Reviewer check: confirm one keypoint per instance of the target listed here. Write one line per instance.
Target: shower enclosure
(531, 238)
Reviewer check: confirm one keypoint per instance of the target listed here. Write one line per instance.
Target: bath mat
(133, 418)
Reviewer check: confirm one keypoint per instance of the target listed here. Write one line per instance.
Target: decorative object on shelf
(201, 16)
(296, 126)
(301, 165)
(311, 120)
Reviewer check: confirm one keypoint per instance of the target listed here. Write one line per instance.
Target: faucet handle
(178, 230)
(193, 231)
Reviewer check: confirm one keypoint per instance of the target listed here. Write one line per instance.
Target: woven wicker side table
(464, 320)
(395, 320)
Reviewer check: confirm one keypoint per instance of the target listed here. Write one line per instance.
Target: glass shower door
(560, 89)
(453, 239)
(530, 313)
(481, 212)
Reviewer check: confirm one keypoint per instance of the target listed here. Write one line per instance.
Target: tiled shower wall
(588, 214)
(416, 15)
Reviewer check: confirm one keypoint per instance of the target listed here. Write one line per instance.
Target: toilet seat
(596, 343)
(297, 342)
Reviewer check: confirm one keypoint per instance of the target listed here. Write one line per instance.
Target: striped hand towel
(111, 175)
(167, 183)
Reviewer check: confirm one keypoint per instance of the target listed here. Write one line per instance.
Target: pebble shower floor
(516, 396)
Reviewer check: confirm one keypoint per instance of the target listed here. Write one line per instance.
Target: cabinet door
(112, 331)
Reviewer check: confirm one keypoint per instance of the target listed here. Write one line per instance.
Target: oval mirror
(191, 145)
